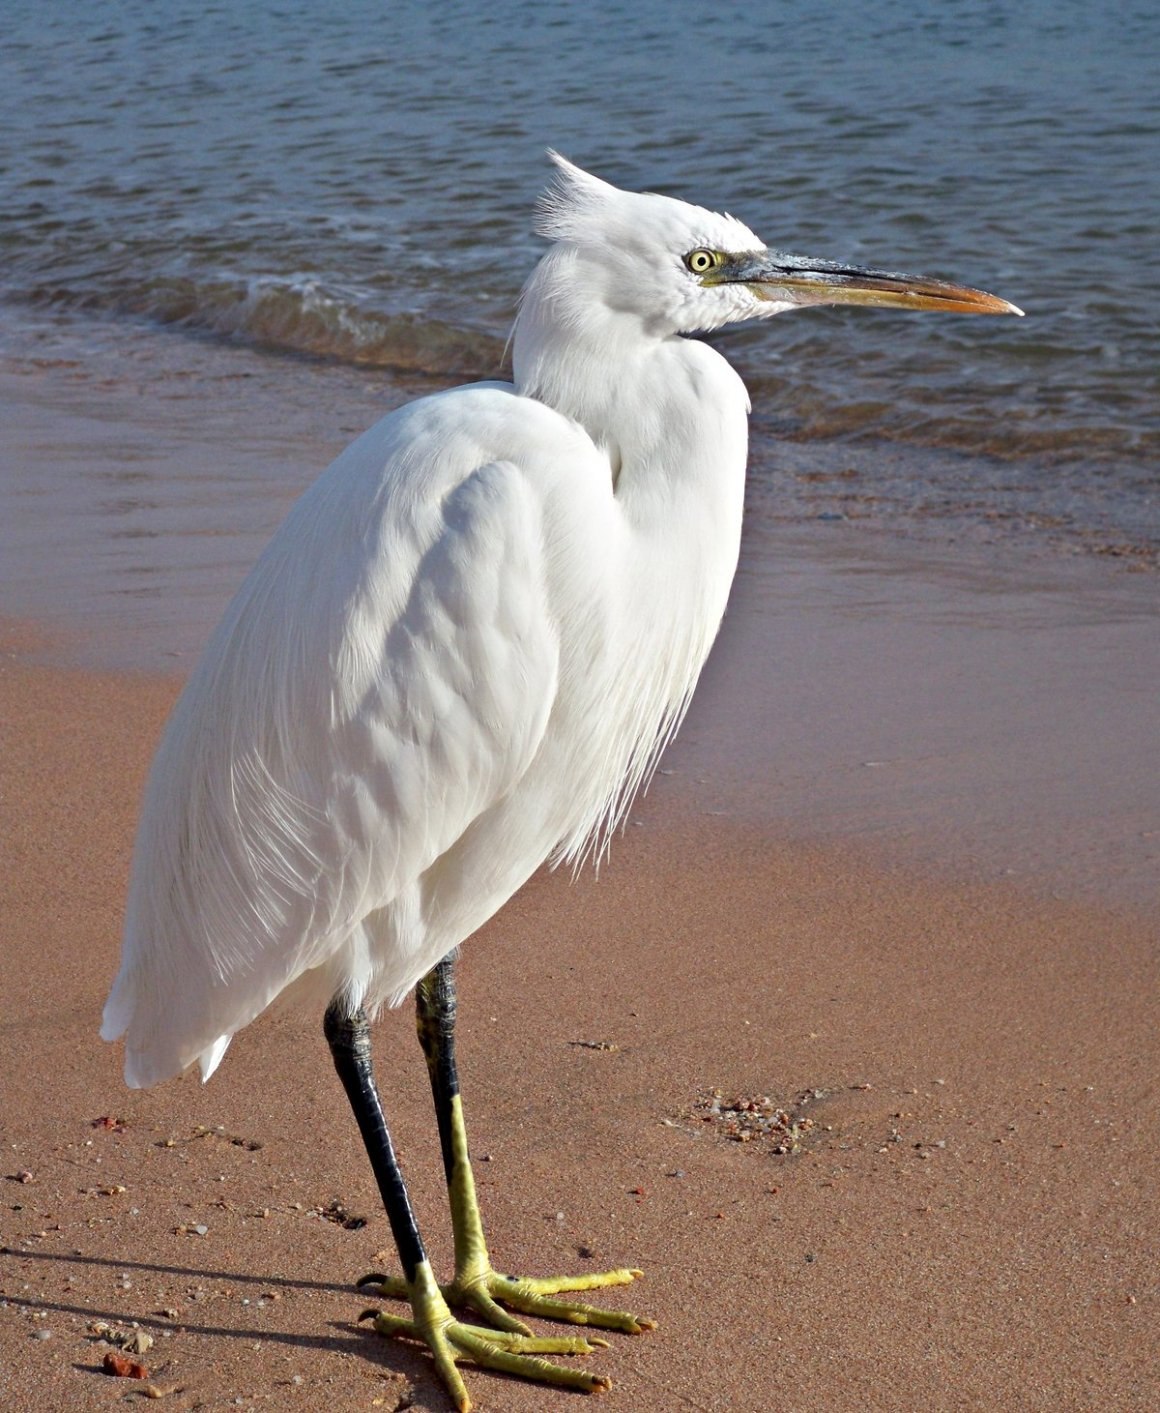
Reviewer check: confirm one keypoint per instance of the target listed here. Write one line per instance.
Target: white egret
(459, 657)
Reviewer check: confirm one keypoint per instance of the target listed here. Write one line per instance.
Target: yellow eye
(700, 262)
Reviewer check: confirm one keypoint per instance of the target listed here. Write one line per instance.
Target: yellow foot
(483, 1290)
(511, 1353)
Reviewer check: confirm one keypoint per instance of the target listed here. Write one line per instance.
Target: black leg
(509, 1345)
(476, 1282)
(350, 1043)
(435, 1009)
(432, 1322)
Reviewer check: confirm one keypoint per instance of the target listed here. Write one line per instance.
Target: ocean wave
(297, 316)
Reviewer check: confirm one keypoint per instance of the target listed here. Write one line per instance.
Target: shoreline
(897, 875)
(963, 708)
(143, 478)
(968, 1221)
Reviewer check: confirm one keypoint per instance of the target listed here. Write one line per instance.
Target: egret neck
(667, 411)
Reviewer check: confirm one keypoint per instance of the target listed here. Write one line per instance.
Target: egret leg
(431, 1321)
(477, 1284)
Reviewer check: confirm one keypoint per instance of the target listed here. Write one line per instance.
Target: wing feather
(382, 678)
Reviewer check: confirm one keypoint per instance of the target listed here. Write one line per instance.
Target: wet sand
(898, 877)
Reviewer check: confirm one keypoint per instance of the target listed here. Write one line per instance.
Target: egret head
(680, 269)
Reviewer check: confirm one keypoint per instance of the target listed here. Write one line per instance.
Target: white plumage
(455, 658)
(460, 656)
(460, 653)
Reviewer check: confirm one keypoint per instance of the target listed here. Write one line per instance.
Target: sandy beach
(852, 1045)
(969, 1221)
(896, 881)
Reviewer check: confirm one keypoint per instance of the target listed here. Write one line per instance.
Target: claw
(483, 1291)
(394, 1287)
(450, 1340)
(533, 1297)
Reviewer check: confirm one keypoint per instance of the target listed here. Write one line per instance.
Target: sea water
(284, 206)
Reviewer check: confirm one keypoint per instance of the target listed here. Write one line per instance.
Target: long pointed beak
(791, 279)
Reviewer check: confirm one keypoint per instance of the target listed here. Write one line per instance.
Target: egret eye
(700, 262)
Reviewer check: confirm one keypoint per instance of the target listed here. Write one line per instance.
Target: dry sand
(971, 1221)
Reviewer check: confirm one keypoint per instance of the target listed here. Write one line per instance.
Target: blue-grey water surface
(355, 183)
